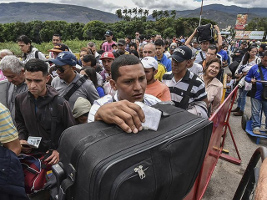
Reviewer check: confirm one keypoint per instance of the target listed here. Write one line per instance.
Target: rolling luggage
(101, 162)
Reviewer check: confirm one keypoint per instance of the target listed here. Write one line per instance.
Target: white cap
(150, 62)
(81, 106)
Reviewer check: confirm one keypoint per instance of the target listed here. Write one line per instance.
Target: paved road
(226, 176)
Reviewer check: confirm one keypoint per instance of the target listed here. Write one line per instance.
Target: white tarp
(249, 35)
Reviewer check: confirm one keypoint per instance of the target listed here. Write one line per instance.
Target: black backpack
(205, 33)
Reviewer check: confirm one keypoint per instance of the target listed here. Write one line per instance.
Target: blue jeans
(241, 101)
(256, 107)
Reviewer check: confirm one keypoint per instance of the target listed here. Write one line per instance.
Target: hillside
(224, 15)
(25, 12)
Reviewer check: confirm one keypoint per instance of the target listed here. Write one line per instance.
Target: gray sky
(113, 5)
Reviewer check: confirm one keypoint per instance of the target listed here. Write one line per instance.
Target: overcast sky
(113, 5)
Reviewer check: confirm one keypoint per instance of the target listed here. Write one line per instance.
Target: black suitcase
(105, 163)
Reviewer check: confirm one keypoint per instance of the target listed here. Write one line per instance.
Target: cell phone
(48, 154)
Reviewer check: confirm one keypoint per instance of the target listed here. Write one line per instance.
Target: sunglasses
(60, 68)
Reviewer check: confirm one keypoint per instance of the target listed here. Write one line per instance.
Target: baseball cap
(173, 46)
(194, 41)
(182, 53)
(65, 58)
(106, 55)
(182, 40)
(114, 44)
(149, 62)
(59, 48)
(81, 107)
(121, 42)
(263, 46)
(108, 33)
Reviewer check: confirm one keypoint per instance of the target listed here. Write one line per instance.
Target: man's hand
(53, 158)
(129, 116)
(253, 80)
(25, 149)
(216, 27)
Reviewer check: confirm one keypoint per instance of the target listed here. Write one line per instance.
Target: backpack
(11, 174)
(205, 33)
(36, 171)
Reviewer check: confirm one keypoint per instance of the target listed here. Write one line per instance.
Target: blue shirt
(255, 73)
(224, 55)
(100, 91)
(166, 62)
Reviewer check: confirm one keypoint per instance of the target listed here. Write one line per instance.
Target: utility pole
(200, 13)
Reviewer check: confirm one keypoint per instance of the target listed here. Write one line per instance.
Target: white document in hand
(152, 116)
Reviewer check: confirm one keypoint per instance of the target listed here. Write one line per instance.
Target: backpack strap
(261, 74)
(201, 54)
(36, 54)
(75, 87)
(186, 97)
(191, 85)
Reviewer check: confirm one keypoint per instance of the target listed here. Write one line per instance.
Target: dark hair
(122, 60)
(159, 42)
(26, 40)
(129, 37)
(134, 52)
(90, 58)
(141, 37)
(247, 55)
(265, 54)
(98, 68)
(91, 73)
(115, 54)
(36, 65)
(57, 35)
(213, 47)
(133, 44)
(212, 61)
(87, 50)
(100, 51)
(120, 52)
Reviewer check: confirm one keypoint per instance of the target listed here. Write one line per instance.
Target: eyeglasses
(60, 69)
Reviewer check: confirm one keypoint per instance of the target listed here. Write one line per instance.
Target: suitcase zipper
(126, 175)
(106, 164)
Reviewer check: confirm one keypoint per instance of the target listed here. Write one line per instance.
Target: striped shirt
(179, 88)
(8, 131)
(149, 100)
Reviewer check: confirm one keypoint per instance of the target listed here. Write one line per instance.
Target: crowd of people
(48, 93)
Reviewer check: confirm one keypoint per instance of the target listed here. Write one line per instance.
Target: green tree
(140, 12)
(125, 12)
(94, 30)
(173, 14)
(146, 13)
(130, 13)
(259, 24)
(160, 14)
(75, 31)
(119, 13)
(135, 12)
(166, 13)
(155, 14)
